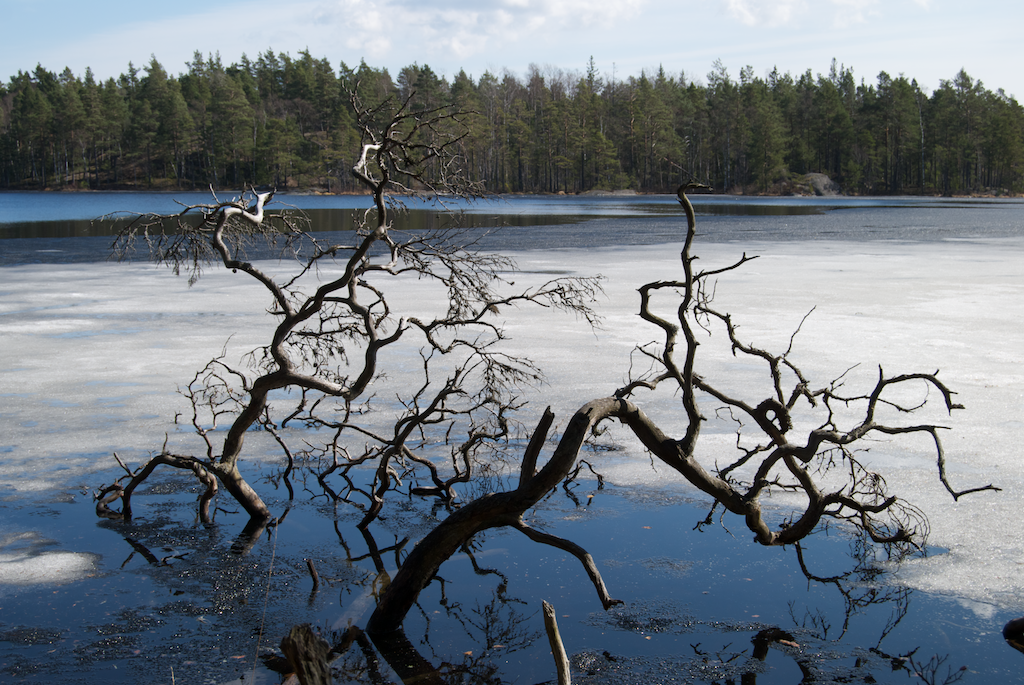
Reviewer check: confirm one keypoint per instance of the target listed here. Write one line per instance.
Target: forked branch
(786, 463)
(334, 324)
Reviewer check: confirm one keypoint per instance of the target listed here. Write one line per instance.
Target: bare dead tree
(820, 465)
(334, 322)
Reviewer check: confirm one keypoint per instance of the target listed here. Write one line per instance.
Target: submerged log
(307, 653)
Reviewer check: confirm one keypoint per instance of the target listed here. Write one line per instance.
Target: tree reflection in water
(506, 624)
(459, 635)
(492, 630)
(500, 627)
(463, 638)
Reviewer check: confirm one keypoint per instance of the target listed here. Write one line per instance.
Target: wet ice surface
(907, 307)
(92, 353)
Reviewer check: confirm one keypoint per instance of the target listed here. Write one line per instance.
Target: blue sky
(928, 40)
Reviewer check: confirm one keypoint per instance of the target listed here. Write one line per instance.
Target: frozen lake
(92, 351)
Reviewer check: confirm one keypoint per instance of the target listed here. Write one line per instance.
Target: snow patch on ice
(48, 567)
(25, 561)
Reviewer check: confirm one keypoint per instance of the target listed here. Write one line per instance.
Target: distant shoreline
(587, 193)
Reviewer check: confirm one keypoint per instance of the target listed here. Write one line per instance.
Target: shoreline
(807, 185)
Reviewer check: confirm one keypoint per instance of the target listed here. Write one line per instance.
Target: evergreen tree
(767, 137)
(284, 121)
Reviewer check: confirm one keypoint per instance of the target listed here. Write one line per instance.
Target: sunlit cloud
(764, 12)
(597, 13)
(773, 13)
(464, 30)
(903, 36)
(850, 12)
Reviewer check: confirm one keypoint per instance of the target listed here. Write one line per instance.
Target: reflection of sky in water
(23, 207)
(92, 354)
(639, 219)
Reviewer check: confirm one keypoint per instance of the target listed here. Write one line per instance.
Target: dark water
(63, 228)
(178, 598)
(177, 601)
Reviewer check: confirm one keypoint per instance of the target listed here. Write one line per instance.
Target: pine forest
(289, 122)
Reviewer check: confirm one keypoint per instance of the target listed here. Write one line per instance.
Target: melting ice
(92, 355)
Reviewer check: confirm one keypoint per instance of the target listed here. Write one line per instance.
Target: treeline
(289, 122)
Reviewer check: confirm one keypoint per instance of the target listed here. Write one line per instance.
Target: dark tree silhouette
(820, 464)
(334, 322)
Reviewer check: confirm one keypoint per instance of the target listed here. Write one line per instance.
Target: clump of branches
(813, 460)
(319, 376)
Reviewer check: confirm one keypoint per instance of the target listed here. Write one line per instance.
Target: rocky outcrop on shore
(823, 185)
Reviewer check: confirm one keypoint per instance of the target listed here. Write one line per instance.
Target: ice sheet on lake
(26, 560)
(92, 354)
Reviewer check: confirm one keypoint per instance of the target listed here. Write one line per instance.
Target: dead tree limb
(334, 323)
(788, 462)
(557, 648)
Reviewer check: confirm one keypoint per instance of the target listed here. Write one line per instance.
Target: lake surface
(32, 225)
(92, 353)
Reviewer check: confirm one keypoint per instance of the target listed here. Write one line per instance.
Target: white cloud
(510, 20)
(479, 35)
(764, 12)
(595, 13)
(774, 13)
(850, 12)
(359, 24)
